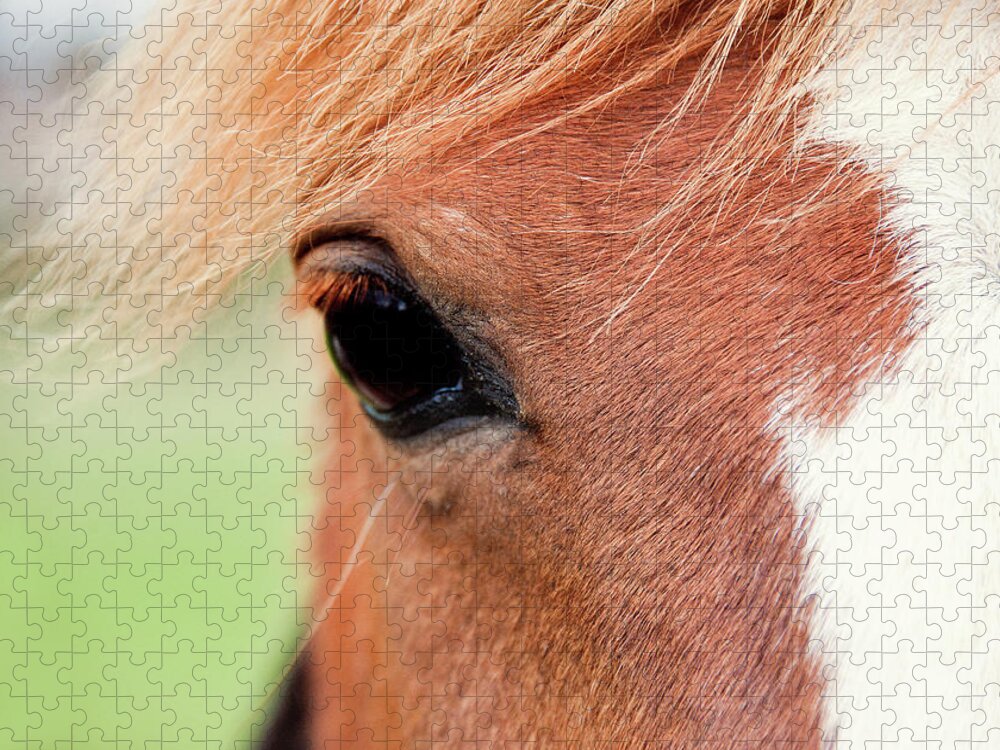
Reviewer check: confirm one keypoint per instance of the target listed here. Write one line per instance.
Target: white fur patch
(905, 494)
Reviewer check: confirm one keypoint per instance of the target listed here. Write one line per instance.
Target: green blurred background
(153, 540)
(154, 513)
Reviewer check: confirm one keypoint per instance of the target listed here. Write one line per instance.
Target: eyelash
(334, 289)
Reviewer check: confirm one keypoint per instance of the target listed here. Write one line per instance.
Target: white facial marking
(905, 494)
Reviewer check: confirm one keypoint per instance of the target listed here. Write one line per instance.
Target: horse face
(604, 545)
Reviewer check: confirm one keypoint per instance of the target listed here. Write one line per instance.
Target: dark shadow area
(289, 727)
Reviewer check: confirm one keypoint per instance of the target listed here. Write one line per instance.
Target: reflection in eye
(390, 347)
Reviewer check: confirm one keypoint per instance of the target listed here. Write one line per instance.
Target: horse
(656, 342)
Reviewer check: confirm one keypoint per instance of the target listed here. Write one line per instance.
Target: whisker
(408, 523)
(362, 537)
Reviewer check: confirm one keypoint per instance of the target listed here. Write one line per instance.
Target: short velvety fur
(630, 569)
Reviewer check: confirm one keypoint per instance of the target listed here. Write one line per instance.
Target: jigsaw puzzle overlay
(314, 435)
(153, 506)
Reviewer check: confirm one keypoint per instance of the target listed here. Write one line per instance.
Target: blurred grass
(151, 566)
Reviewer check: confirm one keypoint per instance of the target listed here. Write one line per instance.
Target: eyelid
(339, 270)
(304, 243)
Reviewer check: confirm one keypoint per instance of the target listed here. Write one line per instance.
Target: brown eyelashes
(328, 290)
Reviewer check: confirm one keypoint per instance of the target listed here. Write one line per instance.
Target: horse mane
(220, 130)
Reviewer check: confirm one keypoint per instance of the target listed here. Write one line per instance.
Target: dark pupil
(392, 350)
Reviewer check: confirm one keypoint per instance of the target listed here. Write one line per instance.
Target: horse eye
(391, 349)
(408, 370)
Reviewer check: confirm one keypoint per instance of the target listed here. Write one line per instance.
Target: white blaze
(905, 493)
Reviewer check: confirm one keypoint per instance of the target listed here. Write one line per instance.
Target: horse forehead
(556, 247)
(592, 174)
(561, 176)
